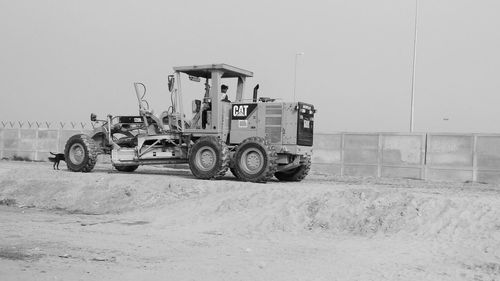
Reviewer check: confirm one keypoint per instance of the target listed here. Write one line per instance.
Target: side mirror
(93, 117)
(171, 81)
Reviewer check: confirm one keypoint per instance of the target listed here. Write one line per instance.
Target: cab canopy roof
(205, 71)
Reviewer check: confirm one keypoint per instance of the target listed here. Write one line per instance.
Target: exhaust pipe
(255, 89)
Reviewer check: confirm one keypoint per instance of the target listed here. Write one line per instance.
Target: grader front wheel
(80, 153)
(209, 158)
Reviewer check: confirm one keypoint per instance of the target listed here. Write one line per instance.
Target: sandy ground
(162, 224)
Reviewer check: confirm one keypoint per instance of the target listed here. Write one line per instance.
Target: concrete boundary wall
(433, 156)
(34, 144)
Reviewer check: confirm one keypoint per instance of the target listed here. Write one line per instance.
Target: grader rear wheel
(296, 174)
(255, 160)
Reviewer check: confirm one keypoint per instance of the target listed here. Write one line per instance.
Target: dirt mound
(353, 228)
(457, 214)
(366, 211)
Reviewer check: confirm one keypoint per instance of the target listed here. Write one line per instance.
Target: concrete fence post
(19, 138)
(2, 138)
(379, 155)
(428, 138)
(59, 140)
(342, 149)
(423, 158)
(36, 143)
(474, 158)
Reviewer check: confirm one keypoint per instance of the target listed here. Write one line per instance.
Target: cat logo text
(240, 110)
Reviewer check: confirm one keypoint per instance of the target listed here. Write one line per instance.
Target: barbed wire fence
(68, 125)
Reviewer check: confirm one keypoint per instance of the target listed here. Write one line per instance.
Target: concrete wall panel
(402, 150)
(449, 175)
(326, 169)
(48, 134)
(28, 140)
(327, 148)
(10, 144)
(361, 148)
(401, 172)
(360, 170)
(47, 145)
(488, 176)
(450, 150)
(27, 144)
(11, 133)
(488, 152)
(28, 134)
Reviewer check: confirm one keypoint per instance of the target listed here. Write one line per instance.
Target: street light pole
(412, 110)
(295, 75)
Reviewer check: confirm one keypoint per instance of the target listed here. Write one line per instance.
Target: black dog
(58, 158)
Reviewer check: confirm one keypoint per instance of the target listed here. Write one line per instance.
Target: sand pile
(366, 211)
(454, 214)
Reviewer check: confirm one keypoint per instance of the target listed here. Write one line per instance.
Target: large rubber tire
(128, 169)
(255, 160)
(209, 158)
(296, 174)
(81, 153)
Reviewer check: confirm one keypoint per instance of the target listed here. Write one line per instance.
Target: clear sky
(61, 60)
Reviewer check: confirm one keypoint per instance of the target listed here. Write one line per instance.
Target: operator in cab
(223, 91)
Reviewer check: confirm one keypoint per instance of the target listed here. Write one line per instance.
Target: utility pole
(412, 110)
(295, 76)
